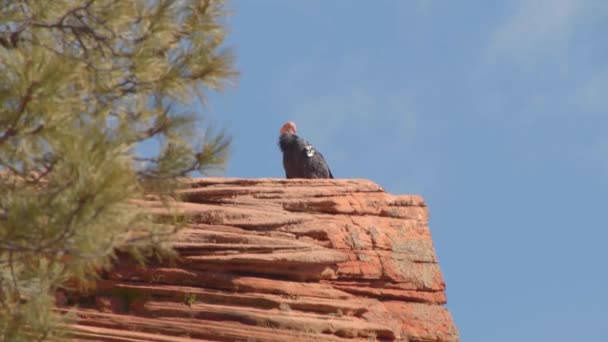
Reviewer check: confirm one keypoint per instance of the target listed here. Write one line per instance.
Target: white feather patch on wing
(310, 151)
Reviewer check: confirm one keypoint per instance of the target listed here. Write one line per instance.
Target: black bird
(300, 158)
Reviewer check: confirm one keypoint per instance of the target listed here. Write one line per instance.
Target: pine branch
(84, 84)
(12, 128)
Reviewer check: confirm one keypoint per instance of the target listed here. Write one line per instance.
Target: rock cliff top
(282, 260)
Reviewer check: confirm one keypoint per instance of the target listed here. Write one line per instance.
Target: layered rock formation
(282, 260)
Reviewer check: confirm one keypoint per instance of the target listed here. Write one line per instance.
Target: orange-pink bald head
(288, 128)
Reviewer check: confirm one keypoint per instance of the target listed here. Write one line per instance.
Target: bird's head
(288, 128)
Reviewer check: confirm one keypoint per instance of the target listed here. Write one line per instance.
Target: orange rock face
(282, 260)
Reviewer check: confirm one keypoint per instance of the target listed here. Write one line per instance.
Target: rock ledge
(282, 260)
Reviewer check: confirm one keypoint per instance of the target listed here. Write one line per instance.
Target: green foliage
(190, 299)
(84, 83)
(128, 296)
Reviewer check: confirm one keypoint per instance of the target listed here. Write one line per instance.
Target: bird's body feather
(301, 159)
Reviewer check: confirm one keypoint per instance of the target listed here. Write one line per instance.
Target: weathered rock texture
(282, 260)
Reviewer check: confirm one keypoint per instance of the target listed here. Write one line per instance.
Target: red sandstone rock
(282, 260)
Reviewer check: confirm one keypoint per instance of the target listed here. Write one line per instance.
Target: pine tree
(83, 84)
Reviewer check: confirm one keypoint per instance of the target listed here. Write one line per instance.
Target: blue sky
(494, 111)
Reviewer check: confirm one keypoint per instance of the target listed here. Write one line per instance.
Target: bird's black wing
(301, 159)
(323, 163)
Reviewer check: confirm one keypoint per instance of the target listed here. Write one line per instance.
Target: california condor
(300, 158)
